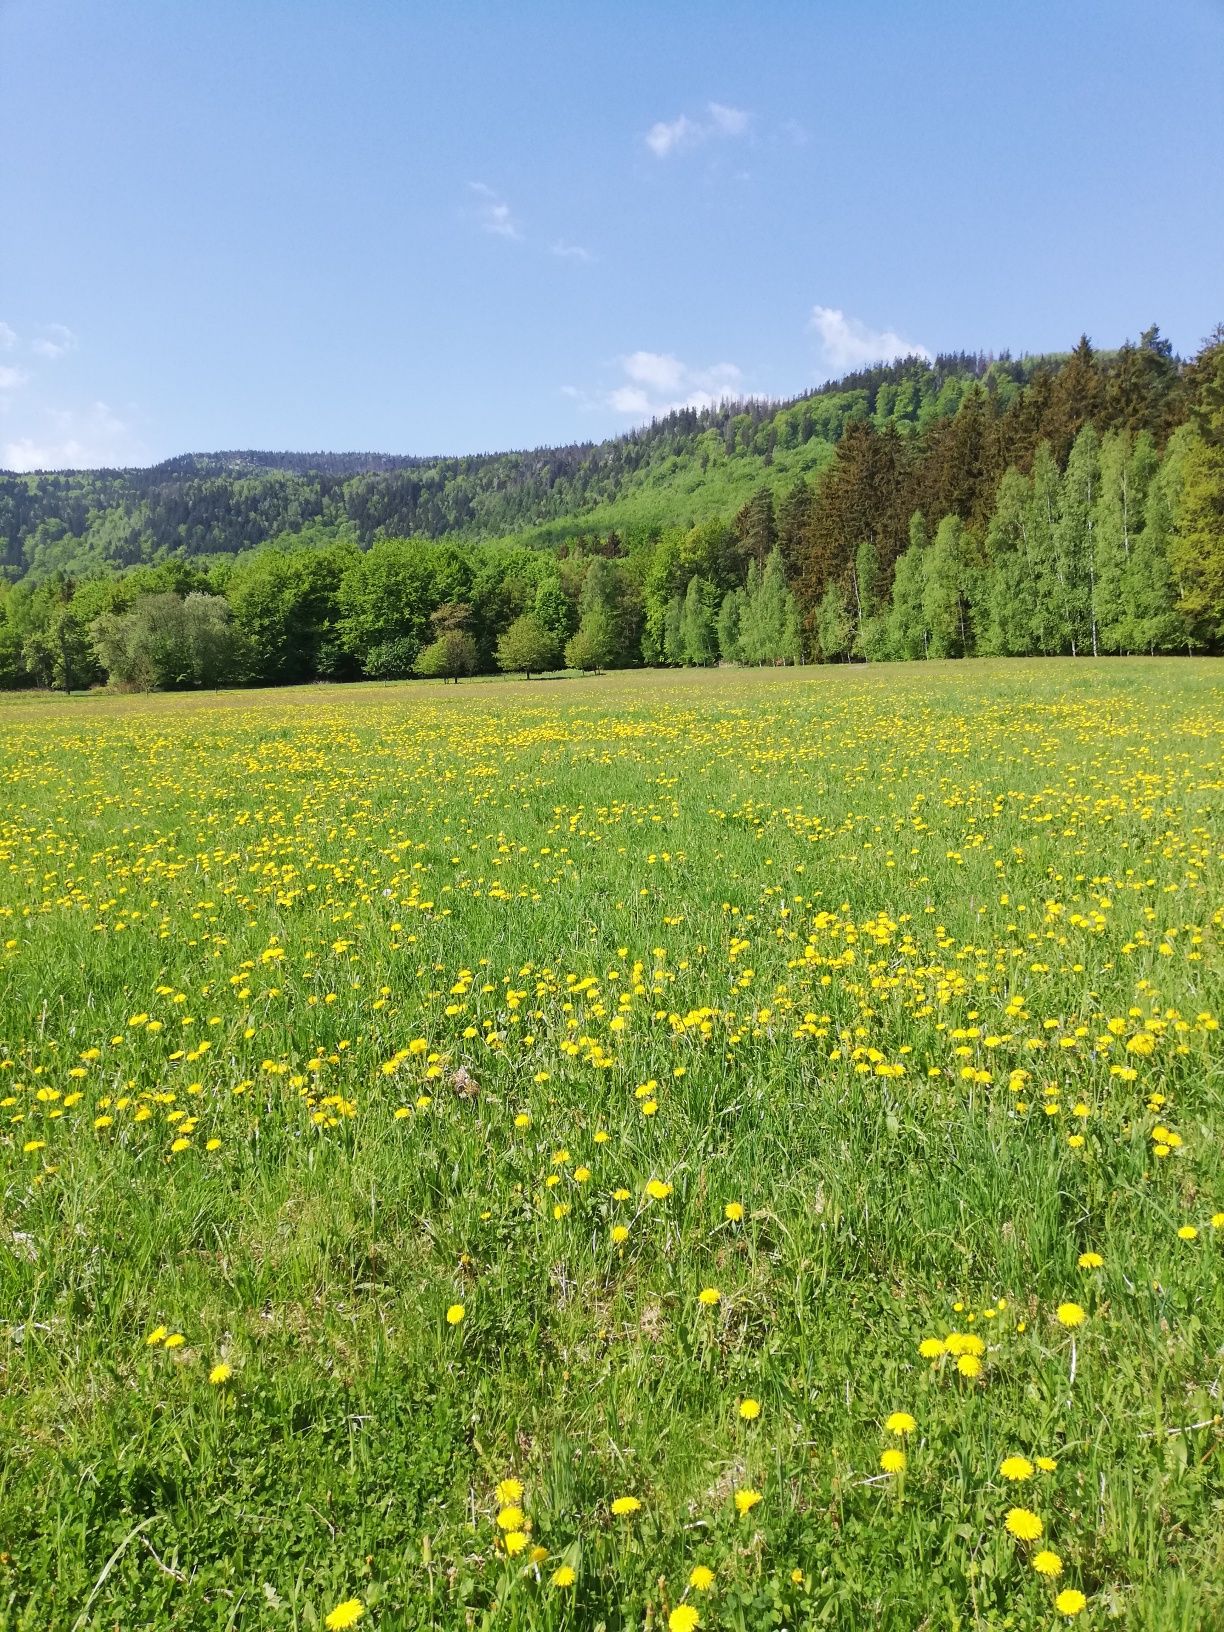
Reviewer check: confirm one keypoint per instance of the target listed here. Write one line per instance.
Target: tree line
(1080, 512)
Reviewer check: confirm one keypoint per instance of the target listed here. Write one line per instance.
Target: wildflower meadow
(712, 1149)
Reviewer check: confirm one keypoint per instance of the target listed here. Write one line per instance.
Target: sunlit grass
(658, 1087)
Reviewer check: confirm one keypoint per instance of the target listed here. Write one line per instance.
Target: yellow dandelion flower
(174, 1341)
(931, 1348)
(1070, 1314)
(563, 1576)
(969, 1366)
(1070, 1601)
(1187, 1232)
(892, 1460)
(455, 1314)
(1016, 1468)
(1090, 1260)
(701, 1578)
(657, 1190)
(220, 1373)
(620, 1232)
(750, 1409)
(900, 1423)
(514, 1541)
(746, 1500)
(1024, 1524)
(684, 1618)
(344, 1615)
(1047, 1464)
(625, 1505)
(510, 1518)
(509, 1491)
(157, 1335)
(709, 1295)
(734, 1211)
(1047, 1563)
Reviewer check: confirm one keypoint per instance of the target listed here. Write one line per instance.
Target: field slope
(768, 1123)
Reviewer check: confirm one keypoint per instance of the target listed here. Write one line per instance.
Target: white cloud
(8, 337)
(849, 344)
(55, 340)
(493, 213)
(77, 440)
(571, 252)
(675, 135)
(11, 378)
(728, 121)
(657, 383)
(664, 136)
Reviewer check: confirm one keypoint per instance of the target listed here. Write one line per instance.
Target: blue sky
(452, 227)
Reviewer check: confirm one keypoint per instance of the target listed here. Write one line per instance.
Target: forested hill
(689, 466)
(970, 506)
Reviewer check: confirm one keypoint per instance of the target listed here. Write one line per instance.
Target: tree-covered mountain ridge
(967, 507)
(685, 466)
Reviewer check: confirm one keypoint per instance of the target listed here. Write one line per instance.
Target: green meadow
(738, 1149)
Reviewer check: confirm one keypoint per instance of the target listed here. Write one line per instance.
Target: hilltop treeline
(1058, 506)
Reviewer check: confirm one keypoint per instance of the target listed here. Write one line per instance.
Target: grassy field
(768, 1124)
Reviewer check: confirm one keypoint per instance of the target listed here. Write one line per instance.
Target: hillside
(687, 467)
(966, 507)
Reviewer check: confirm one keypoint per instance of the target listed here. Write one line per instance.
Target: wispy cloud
(492, 212)
(12, 378)
(571, 252)
(677, 135)
(56, 340)
(654, 383)
(8, 337)
(75, 440)
(847, 343)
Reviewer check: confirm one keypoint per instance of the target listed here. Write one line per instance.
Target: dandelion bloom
(684, 1618)
(1090, 1260)
(1022, 1523)
(563, 1576)
(797, 1577)
(709, 1295)
(157, 1335)
(1217, 1221)
(344, 1615)
(969, 1365)
(1070, 1314)
(1047, 1563)
(220, 1373)
(1016, 1468)
(510, 1518)
(932, 1347)
(746, 1500)
(1047, 1464)
(900, 1423)
(964, 1343)
(657, 1190)
(509, 1491)
(514, 1541)
(701, 1578)
(455, 1314)
(893, 1460)
(175, 1341)
(1187, 1232)
(620, 1232)
(749, 1409)
(624, 1505)
(1070, 1601)
(538, 1555)
(734, 1210)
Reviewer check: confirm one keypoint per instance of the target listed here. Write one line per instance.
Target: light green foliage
(698, 622)
(527, 647)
